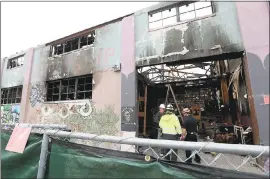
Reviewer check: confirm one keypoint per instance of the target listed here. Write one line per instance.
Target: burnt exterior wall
(102, 113)
(213, 35)
(11, 77)
(121, 46)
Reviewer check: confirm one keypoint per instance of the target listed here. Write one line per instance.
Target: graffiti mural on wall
(127, 114)
(10, 113)
(36, 94)
(82, 116)
(64, 110)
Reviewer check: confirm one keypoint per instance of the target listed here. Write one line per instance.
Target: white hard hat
(162, 106)
(169, 107)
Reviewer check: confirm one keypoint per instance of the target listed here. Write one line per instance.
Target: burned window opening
(11, 95)
(73, 44)
(179, 13)
(70, 89)
(15, 62)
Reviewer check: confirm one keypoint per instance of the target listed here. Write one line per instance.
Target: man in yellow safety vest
(171, 129)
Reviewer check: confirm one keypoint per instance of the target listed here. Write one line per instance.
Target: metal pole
(253, 150)
(167, 96)
(46, 126)
(43, 157)
(177, 106)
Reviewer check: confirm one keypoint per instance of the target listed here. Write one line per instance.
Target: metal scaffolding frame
(248, 150)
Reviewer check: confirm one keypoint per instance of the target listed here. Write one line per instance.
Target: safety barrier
(249, 151)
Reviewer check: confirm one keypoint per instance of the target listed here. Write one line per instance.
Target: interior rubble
(214, 90)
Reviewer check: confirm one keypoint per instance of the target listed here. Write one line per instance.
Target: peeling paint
(183, 52)
(216, 47)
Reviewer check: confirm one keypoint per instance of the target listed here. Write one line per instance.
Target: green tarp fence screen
(14, 165)
(69, 160)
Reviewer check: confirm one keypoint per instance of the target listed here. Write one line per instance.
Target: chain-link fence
(235, 157)
(226, 156)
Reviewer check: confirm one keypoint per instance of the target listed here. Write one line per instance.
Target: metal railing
(36, 128)
(43, 126)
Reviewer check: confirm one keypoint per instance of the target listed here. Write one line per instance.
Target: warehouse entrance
(214, 90)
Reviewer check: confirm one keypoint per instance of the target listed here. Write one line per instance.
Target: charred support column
(128, 79)
(254, 26)
(225, 91)
(29, 56)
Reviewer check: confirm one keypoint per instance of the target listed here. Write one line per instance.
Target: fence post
(43, 157)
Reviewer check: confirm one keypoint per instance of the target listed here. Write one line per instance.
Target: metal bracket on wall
(116, 68)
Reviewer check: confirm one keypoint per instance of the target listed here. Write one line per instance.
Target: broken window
(15, 62)
(163, 18)
(176, 14)
(195, 10)
(73, 44)
(70, 89)
(84, 89)
(11, 95)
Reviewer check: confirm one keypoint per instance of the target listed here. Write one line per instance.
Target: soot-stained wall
(11, 77)
(101, 114)
(209, 36)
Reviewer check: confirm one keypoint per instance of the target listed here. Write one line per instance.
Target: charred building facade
(111, 78)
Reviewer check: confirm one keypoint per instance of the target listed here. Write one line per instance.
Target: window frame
(72, 46)
(178, 17)
(16, 59)
(18, 97)
(67, 93)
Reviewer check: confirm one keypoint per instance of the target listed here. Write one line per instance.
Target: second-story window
(163, 18)
(15, 62)
(73, 44)
(178, 13)
(11, 95)
(70, 89)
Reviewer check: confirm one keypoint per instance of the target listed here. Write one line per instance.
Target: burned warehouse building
(111, 78)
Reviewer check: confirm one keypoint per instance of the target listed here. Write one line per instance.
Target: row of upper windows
(74, 88)
(179, 13)
(73, 44)
(58, 49)
(157, 20)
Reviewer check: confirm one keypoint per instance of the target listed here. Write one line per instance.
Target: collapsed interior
(215, 91)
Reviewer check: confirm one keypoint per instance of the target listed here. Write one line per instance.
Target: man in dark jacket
(190, 126)
(157, 119)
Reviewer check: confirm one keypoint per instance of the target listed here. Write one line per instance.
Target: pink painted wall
(253, 20)
(129, 116)
(107, 90)
(127, 46)
(254, 25)
(28, 61)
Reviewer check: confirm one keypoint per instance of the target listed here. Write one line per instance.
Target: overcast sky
(28, 24)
